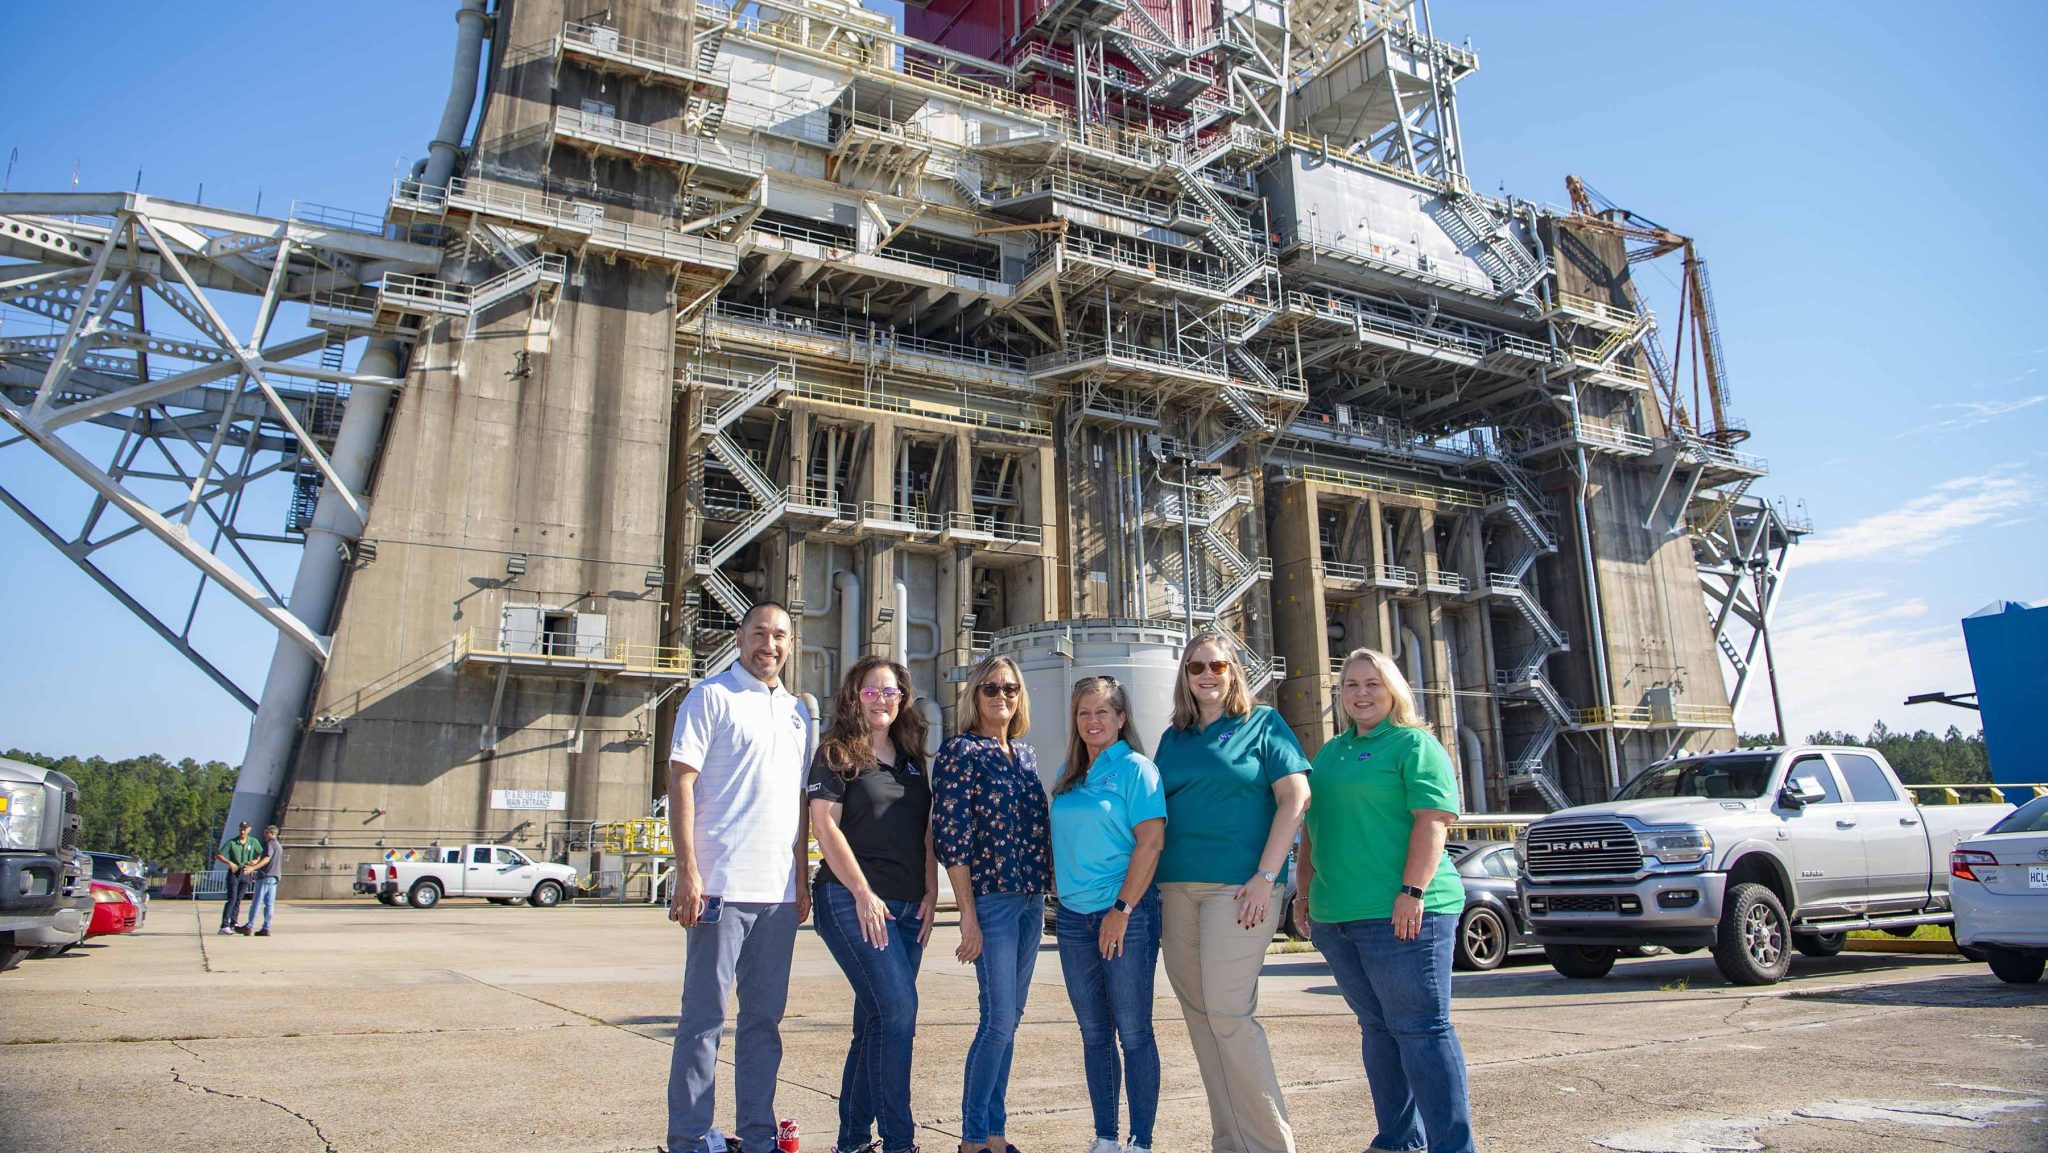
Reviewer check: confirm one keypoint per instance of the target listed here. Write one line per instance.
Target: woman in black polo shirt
(871, 805)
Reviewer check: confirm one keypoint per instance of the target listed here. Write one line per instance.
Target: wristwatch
(1411, 891)
(1271, 877)
(1121, 905)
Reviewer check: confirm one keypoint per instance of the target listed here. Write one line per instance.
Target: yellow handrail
(1953, 794)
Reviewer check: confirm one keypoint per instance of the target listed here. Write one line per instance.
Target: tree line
(169, 814)
(1920, 758)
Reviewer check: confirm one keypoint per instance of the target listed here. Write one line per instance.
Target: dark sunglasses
(1195, 668)
(990, 689)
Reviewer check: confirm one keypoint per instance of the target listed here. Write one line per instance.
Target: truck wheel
(425, 895)
(387, 898)
(1482, 940)
(547, 894)
(1580, 962)
(1820, 944)
(1749, 944)
(2014, 968)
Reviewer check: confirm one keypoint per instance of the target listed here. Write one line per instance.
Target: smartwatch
(1121, 905)
(1411, 891)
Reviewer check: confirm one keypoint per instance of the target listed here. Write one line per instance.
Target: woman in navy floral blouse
(992, 830)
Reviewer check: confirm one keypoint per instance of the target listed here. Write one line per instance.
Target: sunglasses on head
(1196, 668)
(991, 689)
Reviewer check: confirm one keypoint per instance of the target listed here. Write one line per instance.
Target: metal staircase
(1513, 268)
(748, 392)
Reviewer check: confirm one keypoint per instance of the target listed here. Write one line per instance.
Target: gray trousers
(748, 949)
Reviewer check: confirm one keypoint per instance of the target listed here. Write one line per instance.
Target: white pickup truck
(499, 874)
(1751, 853)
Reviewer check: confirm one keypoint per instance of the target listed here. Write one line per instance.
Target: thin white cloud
(1925, 523)
(1848, 660)
(1971, 414)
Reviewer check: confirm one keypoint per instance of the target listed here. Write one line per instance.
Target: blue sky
(1859, 177)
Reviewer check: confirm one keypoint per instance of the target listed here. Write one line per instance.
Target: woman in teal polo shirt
(1383, 900)
(1236, 784)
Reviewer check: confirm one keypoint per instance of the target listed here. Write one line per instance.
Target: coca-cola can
(785, 1136)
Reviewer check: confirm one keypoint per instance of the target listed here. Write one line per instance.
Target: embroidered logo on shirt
(1365, 756)
(1227, 736)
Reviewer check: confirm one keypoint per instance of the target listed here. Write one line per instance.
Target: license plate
(2037, 876)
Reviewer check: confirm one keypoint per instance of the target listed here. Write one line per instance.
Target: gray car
(1493, 925)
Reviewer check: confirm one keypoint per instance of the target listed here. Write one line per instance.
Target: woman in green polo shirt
(1236, 783)
(1382, 902)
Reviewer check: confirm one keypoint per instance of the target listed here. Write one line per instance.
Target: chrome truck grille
(1564, 848)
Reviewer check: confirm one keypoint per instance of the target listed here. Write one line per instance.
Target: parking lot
(358, 1027)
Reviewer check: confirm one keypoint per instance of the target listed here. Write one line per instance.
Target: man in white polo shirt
(736, 813)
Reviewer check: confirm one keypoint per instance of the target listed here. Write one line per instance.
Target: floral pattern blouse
(989, 813)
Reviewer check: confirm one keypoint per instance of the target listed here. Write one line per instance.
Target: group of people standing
(1182, 853)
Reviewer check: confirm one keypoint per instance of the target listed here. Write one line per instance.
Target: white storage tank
(1142, 655)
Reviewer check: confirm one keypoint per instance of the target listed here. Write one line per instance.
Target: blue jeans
(265, 901)
(874, 1088)
(747, 949)
(240, 888)
(1113, 1004)
(1401, 993)
(1011, 924)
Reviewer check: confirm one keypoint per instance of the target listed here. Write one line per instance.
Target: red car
(113, 910)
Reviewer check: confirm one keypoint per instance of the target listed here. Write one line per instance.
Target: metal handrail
(878, 338)
(1394, 574)
(580, 217)
(736, 156)
(991, 526)
(1464, 498)
(603, 40)
(845, 245)
(1079, 351)
(1339, 570)
(917, 519)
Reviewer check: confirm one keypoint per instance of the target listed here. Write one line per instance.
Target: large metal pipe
(445, 152)
(850, 612)
(329, 539)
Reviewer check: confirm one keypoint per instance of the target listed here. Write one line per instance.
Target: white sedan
(1999, 883)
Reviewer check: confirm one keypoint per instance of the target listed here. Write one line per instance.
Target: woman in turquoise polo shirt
(1382, 901)
(1108, 822)
(1236, 784)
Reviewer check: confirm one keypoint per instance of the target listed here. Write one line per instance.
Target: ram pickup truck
(45, 896)
(1751, 853)
(496, 873)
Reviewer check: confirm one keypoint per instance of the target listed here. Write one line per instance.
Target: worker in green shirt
(1382, 903)
(239, 856)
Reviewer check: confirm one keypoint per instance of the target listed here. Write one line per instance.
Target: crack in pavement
(325, 1144)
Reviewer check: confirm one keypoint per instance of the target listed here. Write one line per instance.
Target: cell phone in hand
(712, 907)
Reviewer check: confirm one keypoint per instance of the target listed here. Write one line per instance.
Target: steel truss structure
(163, 412)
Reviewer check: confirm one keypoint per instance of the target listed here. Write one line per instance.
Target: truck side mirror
(1800, 792)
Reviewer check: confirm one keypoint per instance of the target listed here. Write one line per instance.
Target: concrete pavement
(359, 1027)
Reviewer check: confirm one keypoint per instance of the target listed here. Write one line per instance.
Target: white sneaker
(1135, 1149)
(1104, 1145)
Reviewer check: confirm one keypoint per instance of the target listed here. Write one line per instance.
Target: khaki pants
(1213, 965)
